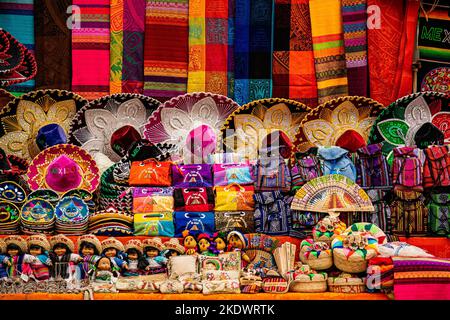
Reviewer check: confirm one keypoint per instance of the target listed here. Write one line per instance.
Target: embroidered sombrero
(92, 239)
(112, 243)
(9, 218)
(40, 240)
(134, 244)
(174, 244)
(60, 238)
(17, 64)
(247, 128)
(37, 216)
(343, 122)
(5, 97)
(37, 120)
(62, 168)
(111, 222)
(437, 80)
(192, 122)
(12, 192)
(111, 124)
(154, 243)
(419, 119)
(17, 240)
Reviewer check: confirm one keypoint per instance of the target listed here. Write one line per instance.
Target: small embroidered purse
(152, 199)
(150, 172)
(235, 198)
(194, 199)
(192, 175)
(240, 173)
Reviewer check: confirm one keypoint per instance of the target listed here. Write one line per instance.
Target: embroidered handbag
(272, 173)
(439, 214)
(372, 167)
(306, 167)
(228, 173)
(382, 214)
(194, 199)
(154, 224)
(436, 168)
(195, 222)
(242, 221)
(335, 160)
(272, 213)
(409, 216)
(234, 198)
(192, 175)
(152, 199)
(150, 173)
(407, 169)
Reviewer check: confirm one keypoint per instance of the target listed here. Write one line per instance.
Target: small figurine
(172, 248)
(18, 261)
(189, 242)
(39, 247)
(133, 250)
(103, 271)
(153, 262)
(3, 259)
(220, 239)
(238, 242)
(62, 257)
(206, 246)
(89, 249)
(113, 249)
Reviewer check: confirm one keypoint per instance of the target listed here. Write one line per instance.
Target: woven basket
(322, 263)
(325, 239)
(353, 264)
(354, 285)
(308, 286)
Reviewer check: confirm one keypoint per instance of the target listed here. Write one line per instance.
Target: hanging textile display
(90, 49)
(127, 19)
(328, 46)
(354, 18)
(166, 48)
(253, 50)
(208, 46)
(53, 43)
(293, 59)
(17, 17)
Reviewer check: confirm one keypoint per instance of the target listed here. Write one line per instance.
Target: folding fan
(331, 193)
(260, 250)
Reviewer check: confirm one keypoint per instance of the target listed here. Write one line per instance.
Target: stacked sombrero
(72, 216)
(111, 223)
(37, 216)
(12, 168)
(9, 218)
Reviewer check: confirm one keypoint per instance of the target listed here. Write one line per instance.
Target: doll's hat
(134, 244)
(174, 244)
(153, 242)
(112, 242)
(12, 165)
(17, 240)
(60, 238)
(90, 238)
(239, 235)
(2, 246)
(204, 236)
(40, 240)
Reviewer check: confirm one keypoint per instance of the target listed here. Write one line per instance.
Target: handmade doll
(103, 271)
(206, 246)
(113, 249)
(18, 261)
(153, 262)
(220, 239)
(62, 257)
(39, 247)
(89, 249)
(172, 248)
(189, 242)
(133, 250)
(3, 260)
(238, 242)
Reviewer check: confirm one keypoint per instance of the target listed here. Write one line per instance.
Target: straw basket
(352, 264)
(346, 285)
(304, 283)
(323, 262)
(324, 238)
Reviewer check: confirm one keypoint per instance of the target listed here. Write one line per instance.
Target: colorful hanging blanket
(53, 44)
(434, 33)
(17, 17)
(293, 59)
(328, 46)
(208, 46)
(90, 49)
(127, 19)
(253, 50)
(166, 48)
(354, 19)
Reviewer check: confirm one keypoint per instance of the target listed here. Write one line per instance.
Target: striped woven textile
(433, 47)
(293, 59)
(208, 46)
(127, 19)
(166, 48)
(253, 46)
(90, 49)
(17, 17)
(354, 18)
(421, 278)
(53, 44)
(328, 46)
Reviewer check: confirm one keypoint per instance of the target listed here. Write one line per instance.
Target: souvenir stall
(221, 167)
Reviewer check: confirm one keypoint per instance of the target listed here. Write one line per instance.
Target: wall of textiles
(306, 50)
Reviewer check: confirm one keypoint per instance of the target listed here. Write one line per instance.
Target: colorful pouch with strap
(154, 224)
(409, 216)
(373, 169)
(194, 199)
(382, 214)
(192, 175)
(335, 160)
(195, 222)
(407, 169)
(306, 167)
(439, 214)
(228, 173)
(272, 213)
(242, 221)
(234, 198)
(436, 169)
(150, 173)
(152, 199)
(272, 173)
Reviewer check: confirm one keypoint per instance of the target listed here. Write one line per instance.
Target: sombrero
(112, 194)
(343, 122)
(134, 244)
(112, 243)
(437, 80)
(174, 244)
(153, 242)
(60, 238)
(92, 239)
(38, 118)
(248, 127)
(111, 222)
(45, 194)
(72, 215)
(192, 122)
(110, 124)
(37, 216)
(9, 218)
(62, 168)
(17, 240)
(12, 192)
(12, 168)
(40, 240)
(5, 97)
(17, 64)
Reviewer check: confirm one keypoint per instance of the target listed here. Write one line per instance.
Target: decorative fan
(192, 122)
(437, 80)
(246, 128)
(344, 122)
(260, 250)
(332, 193)
(112, 123)
(403, 119)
